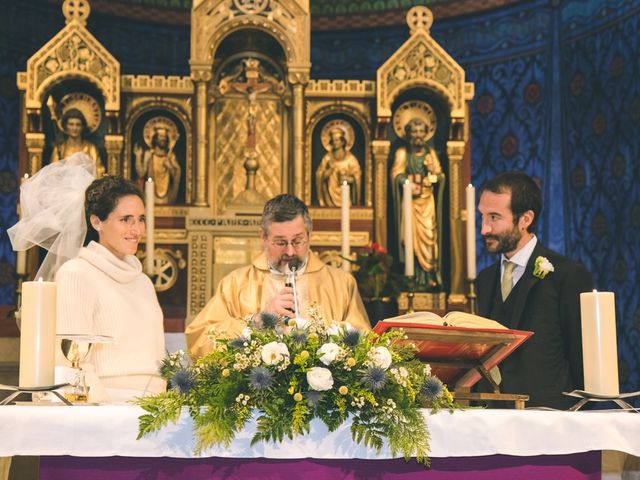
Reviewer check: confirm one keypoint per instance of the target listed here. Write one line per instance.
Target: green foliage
(320, 377)
(373, 273)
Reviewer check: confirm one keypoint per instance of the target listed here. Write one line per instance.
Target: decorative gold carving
(334, 213)
(231, 133)
(423, 301)
(84, 102)
(167, 263)
(248, 224)
(78, 10)
(420, 61)
(73, 53)
(35, 146)
(113, 146)
(170, 236)
(419, 18)
(341, 89)
(455, 151)
(324, 238)
(158, 84)
(199, 285)
(380, 150)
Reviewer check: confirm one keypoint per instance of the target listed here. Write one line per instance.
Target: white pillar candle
(150, 198)
(599, 347)
(471, 232)
(37, 334)
(345, 224)
(407, 204)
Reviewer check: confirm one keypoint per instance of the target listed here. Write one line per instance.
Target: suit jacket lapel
(486, 294)
(526, 282)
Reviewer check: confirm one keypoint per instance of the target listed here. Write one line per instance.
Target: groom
(531, 288)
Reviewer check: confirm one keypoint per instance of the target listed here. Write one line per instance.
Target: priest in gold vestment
(285, 231)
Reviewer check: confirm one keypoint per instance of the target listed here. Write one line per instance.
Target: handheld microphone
(290, 281)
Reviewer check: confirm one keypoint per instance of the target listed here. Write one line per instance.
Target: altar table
(94, 442)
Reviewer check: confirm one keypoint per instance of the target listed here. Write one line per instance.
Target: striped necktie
(507, 278)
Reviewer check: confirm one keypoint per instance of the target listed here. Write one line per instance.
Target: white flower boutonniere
(542, 267)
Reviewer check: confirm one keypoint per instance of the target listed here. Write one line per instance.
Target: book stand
(461, 356)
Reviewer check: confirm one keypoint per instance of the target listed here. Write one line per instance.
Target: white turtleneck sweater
(99, 294)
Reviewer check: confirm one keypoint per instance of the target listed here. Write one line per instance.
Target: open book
(451, 319)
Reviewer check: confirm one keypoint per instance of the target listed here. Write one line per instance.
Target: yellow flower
(226, 372)
(351, 362)
(343, 390)
(291, 390)
(292, 322)
(297, 397)
(304, 355)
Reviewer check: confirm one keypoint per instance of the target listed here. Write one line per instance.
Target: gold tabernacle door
(461, 356)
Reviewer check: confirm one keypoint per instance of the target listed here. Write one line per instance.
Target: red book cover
(455, 352)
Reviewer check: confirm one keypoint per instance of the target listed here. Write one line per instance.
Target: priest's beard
(503, 242)
(282, 261)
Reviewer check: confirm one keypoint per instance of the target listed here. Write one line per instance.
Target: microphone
(290, 281)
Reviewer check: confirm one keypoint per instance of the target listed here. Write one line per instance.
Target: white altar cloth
(104, 431)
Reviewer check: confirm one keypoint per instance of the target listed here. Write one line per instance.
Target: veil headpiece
(52, 211)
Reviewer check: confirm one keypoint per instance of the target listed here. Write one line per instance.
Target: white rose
(329, 352)
(334, 329)
(274, 352)
(320, 379)
(381, 357)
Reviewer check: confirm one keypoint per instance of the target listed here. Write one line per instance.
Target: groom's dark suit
(550, 362)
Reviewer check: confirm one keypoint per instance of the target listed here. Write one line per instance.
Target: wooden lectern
(460, 356)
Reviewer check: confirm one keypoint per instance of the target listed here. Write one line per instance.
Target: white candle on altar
(599, 347)
(21, 255)
(407, 200)
(150, 198)
(345, 192)
(471, 231)
(37, 334)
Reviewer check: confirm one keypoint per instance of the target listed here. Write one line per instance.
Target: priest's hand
(282, 303)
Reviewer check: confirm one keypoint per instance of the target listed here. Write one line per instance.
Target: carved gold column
(298, 79)
(113, 146)
(380, 150)
(201, 77)
(35, 146)
(455, 151)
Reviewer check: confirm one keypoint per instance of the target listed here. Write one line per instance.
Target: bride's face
(122, 230)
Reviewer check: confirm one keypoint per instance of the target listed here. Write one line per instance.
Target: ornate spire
(78, 10)
(419, 18)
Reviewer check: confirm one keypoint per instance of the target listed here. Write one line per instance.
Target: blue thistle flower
(265, 320)
(431, 389)
(313, 398)
(351, 338)
(260, 378)
(299, 336)
(237, 343)
(183, 381)
(374, 378)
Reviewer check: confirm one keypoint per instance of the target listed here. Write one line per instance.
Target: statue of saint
(338, 165)
(74, 126)
(418, 162)
(159, 161)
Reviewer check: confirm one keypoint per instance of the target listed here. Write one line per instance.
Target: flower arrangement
(542, 267)
(373, 273)
(289, 373)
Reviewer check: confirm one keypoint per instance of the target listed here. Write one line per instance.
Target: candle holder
(17, 391)
(473, 304)
(586, 397)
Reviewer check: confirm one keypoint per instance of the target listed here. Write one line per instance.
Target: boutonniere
(542, 267)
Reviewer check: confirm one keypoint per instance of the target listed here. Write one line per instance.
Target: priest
(267, 284)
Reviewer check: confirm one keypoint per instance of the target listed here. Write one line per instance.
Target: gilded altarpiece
(249, 124)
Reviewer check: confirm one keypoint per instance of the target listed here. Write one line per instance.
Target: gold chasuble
(247, 290)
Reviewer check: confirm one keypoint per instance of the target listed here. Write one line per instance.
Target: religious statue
(159, 160)
(74, 125)
(338, 165)
(417, 161)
